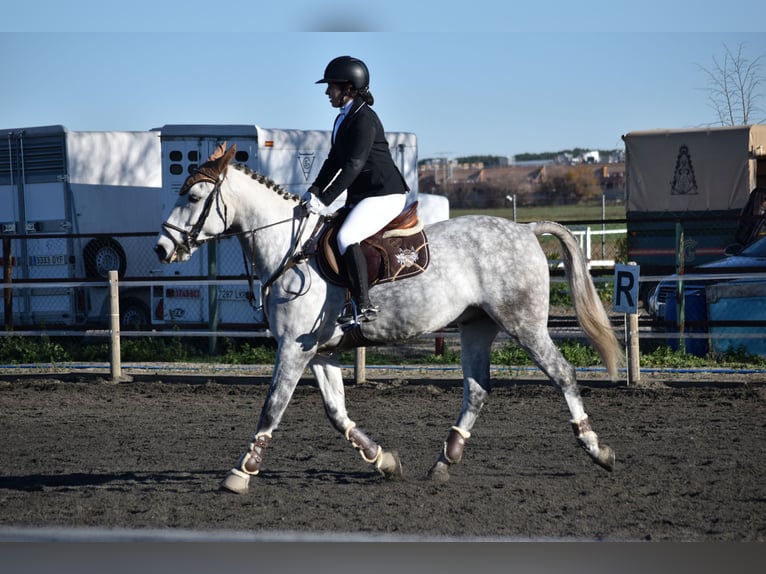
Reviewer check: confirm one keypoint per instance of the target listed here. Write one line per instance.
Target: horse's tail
(588, 307)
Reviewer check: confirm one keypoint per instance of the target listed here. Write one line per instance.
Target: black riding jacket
(361, 154)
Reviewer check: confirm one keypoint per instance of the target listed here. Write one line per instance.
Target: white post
(634, 367)
(114, 310)
(360, 365)
(634, 360)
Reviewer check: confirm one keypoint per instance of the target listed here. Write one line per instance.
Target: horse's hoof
(236, 481)
(605, 458)
(439, 472)
(390, 466)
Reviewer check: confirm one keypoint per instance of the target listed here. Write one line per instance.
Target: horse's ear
(218, 152)
(229, 155)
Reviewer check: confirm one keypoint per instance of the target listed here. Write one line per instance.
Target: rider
(361, 159)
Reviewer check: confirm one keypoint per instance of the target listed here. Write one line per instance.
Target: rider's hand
(311, 203)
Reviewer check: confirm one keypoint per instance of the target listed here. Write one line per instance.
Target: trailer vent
(43, 157)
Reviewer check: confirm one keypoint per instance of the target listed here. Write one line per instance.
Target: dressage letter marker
(626, 288)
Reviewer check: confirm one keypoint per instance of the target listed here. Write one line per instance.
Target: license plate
(232, 294)
(40, 260)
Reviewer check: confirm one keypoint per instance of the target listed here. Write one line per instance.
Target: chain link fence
(61, 282)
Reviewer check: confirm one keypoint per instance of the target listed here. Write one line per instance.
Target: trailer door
(35, 209)
(184, 148)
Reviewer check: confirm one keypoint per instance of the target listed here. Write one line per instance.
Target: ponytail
(365, 94)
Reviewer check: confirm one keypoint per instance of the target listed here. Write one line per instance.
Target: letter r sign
(626, 288)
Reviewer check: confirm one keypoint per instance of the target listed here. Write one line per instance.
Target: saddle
(397, 251)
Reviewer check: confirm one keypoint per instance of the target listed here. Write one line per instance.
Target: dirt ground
(80, 450)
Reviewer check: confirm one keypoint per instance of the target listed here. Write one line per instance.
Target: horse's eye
(193, 198)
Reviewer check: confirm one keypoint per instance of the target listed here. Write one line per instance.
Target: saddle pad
(401, 257)
(388, 258)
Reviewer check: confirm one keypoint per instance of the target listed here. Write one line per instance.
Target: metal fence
(60, 282)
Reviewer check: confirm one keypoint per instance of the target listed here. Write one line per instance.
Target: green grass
(44, 350)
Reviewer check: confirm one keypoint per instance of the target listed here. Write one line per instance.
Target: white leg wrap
(464, 433)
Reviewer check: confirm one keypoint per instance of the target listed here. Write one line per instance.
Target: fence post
(114, 316)
(634, 350)
(360, 365)
(634, 367)
(626, 281)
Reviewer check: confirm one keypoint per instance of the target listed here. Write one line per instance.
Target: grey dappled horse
(486, 274)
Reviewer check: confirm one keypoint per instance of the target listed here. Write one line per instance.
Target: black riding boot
(356, 269)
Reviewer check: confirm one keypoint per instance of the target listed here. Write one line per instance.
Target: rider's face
(337, 94)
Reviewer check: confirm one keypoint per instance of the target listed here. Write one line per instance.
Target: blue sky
(487, 79)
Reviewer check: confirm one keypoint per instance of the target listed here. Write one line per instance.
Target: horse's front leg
(288, 368)
(330, 380)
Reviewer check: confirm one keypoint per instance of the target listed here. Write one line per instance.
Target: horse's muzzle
(161, 253)
(166, 250)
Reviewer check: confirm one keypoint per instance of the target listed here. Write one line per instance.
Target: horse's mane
(262, 179)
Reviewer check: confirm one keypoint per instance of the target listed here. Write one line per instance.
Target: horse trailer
(72, 207)
(692, 184)
(75, 205)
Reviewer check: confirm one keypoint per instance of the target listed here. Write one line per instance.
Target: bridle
(190, 239)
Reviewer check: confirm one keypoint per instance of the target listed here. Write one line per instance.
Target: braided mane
(262, 179)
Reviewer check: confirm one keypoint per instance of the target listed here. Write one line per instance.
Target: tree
(735, 85)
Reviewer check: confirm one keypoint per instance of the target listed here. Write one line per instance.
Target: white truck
(74, 205)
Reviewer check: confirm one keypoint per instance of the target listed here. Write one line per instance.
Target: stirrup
(352, 315)
(368, 314)
(349, 314)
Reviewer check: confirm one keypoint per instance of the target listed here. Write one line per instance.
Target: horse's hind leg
(544, 353)
(330, 381)
(476, 345)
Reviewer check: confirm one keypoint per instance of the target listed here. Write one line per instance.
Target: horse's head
(199, 213)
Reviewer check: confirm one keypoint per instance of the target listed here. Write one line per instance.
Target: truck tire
(134, 314)
(102, 255)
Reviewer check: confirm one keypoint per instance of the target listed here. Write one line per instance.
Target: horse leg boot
(386, 463)
(356, 270)
(249, 464)
(452, 453)
(600, 453)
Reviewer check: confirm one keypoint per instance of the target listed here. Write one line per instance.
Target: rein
(289, 260)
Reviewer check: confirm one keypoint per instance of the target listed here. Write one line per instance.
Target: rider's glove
(311, 203)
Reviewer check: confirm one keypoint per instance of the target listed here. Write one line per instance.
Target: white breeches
(368, 217)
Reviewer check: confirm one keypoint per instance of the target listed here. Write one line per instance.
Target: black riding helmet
(346, 69)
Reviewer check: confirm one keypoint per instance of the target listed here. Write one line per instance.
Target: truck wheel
(134, 314)
(102, 255)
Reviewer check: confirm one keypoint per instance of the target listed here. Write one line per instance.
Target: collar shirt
(341, 116)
